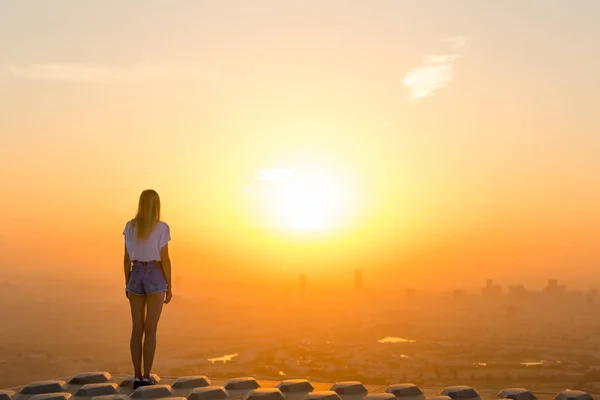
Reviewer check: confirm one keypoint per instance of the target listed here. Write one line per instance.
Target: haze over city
(438, 148)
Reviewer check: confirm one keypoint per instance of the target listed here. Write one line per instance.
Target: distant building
(517, 290)
(553, 288)
(358, 281)
(491, 290)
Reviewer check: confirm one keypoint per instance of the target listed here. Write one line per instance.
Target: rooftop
(104, 386)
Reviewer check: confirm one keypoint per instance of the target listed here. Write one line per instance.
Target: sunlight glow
(302, 199)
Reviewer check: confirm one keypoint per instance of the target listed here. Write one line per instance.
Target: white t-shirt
(148, 249)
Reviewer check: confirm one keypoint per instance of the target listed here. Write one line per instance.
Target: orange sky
(466, 159)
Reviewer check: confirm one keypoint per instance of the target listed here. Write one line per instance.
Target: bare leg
(154, 303)
(137, 304)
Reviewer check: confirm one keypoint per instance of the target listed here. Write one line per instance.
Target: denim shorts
(146, 278)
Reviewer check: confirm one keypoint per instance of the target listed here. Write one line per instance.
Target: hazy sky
(462, 135)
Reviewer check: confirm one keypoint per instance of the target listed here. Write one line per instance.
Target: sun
(304, 199)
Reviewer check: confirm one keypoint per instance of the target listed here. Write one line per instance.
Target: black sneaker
(148, 381)
(137, 382)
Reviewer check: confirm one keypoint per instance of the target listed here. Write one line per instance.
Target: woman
(147, 280)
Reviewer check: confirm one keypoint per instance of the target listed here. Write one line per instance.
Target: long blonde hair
(148, 214)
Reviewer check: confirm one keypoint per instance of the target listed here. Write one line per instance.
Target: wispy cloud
(100, 73)
(436, 70)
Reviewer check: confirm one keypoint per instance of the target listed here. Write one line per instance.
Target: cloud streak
(437, 70)
(100, 74)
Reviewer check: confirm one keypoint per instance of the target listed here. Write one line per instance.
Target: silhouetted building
(490, 289)
(553, 288)
(358, 281)
(517, 290)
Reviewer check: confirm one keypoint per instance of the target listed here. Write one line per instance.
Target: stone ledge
(52, 396)
(516, 394)
(292, 389)
(172, 398)
(407, 390)
(295, 386)
(245, 383)
(264, 394)
(323, 395)
(381, 396)
(44, 387)
(460, 391)
(191, 382)
(97, 389)
(349, 387)
(148, 392)
(90, 377)
(573, 395)
(112, 397)
(209, 393)
(6, 394)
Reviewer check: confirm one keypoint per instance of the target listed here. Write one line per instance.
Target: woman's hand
(168, 296)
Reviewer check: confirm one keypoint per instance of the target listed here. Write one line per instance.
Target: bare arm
(126, 266)
(166, 264)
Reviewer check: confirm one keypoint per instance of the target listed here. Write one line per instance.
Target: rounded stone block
(6, 394)
(191, 382)
(112, 397)
(45, 387)
(149, 392)
(323, 395)
(97, 389)
(129, 380)
(381, 396)
(573, 395)
(172, 398)
(295, 386)
(52, 396)
(90, 377)
(349, 387)
(264, 394)
(516, 394)
(460, 392)
(208, 393)
(405, 390)
(245, 383)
